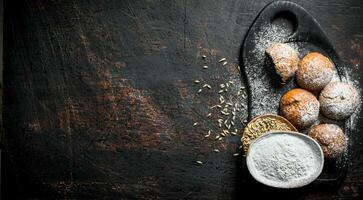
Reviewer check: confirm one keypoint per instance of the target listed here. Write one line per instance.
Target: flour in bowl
(284, 158)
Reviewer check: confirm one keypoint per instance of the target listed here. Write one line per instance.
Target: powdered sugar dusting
(353, 120)
(269, 33)
(311, 112)
(339, 100)
(261, 85)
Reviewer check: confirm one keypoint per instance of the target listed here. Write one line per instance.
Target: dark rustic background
(99, 99)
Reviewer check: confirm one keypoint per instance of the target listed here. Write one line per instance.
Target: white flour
(284, 158)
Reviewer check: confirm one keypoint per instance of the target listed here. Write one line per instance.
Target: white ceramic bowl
(294, 183)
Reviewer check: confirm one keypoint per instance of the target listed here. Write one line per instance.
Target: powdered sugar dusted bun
(331, 139)
(338, 100)
(315, 71)
(285, 59)
(300, 107)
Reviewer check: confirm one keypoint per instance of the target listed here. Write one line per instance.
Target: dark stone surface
(99, 98)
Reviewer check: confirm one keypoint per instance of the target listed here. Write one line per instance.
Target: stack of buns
(336, 100)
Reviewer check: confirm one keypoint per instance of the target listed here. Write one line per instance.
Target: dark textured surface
(99, 97)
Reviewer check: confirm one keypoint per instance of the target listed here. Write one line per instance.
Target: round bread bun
(315, 71)
(300, 107)
(338, 100)
(331, 139)
(284, 58)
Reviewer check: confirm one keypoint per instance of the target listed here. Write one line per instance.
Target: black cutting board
(287, 22)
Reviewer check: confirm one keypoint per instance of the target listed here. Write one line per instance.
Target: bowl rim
(288, 185)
